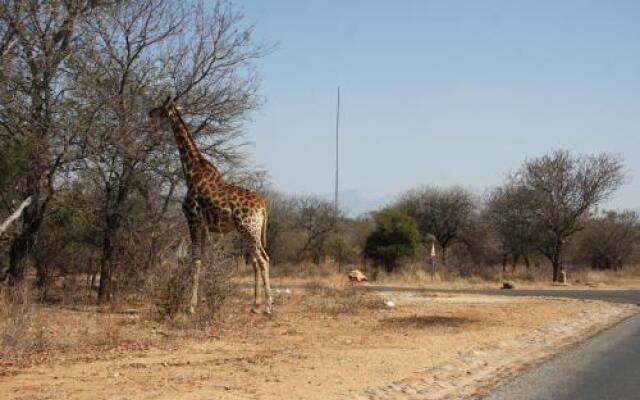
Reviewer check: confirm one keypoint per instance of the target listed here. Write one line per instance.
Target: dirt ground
(428, 346)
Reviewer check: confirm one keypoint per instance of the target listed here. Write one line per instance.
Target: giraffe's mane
(179, 116)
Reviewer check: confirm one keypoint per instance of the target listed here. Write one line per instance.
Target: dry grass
(325, 310)
(323, 298)
(22, 331)
(486, 277)
(325, 351)
(33, 332)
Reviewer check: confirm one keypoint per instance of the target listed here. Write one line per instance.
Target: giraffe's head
(162, 112)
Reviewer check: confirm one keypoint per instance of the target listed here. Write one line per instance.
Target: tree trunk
(18, 255)
(106, 262)
(42, 281)
(516, 257)
(557, 267)
(93, 281)
(32, 217)
(23, 243)
(556, 260)
(444, 254)
(41, 276)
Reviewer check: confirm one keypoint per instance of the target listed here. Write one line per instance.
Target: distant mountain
(354, 203)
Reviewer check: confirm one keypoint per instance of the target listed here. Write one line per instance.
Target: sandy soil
(428, 346)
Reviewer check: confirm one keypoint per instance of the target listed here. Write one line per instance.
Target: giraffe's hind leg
(256, 250)
(264, 270)
(256, 288)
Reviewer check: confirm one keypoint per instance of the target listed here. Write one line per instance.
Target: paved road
(618, 296)
(605, 367)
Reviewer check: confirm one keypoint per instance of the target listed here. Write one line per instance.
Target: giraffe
(213, 204)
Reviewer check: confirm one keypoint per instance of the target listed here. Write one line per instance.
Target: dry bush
(332, 300)
(171, 291)
(74, 290)
(21, 330)
(109, 332)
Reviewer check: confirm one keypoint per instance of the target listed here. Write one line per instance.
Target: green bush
(396, 236)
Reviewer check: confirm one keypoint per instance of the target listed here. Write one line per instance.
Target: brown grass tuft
(333, 300)
(21, 330)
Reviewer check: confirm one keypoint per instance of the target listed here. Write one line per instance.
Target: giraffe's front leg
(194, 219)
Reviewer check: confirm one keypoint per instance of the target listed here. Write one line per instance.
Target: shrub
(396, 236)
(172, 289)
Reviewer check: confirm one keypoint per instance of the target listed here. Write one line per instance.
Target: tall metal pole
(337, 153)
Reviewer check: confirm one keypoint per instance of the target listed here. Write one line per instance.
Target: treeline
(546, 213)
(77, 79)
(76, 82)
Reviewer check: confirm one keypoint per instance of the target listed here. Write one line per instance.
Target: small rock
(389, 303)
(356, 276)
(508, 285)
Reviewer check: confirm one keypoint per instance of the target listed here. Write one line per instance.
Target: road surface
(618, 296)
(605, 367)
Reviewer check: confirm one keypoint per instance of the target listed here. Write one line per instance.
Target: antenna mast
(337, 154)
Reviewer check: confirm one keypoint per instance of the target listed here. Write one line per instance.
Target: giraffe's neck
(190, 156)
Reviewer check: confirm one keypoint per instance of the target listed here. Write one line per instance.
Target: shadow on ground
(427, 321)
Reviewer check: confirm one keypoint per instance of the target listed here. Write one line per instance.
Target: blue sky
(443, 92)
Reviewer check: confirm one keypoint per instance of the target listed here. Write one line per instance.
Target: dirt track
(429, 346)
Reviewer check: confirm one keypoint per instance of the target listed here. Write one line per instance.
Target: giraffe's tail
(264, 230)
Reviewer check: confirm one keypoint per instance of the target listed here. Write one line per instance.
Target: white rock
(356, 276)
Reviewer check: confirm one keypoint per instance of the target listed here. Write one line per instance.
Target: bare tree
(134, 52)
(37, 40)
(609, 240)
(561, 189)
(512, 220)
(113, 76)
(316, 219)
(442, 213)
(339, 247)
